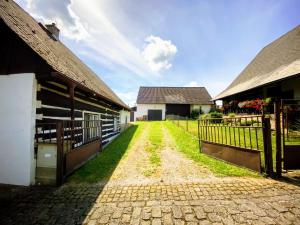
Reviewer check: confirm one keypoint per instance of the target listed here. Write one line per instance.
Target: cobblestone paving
(221, 201)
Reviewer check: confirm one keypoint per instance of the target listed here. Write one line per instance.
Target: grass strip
(153, 147)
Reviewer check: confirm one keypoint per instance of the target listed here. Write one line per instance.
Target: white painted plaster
(124, 117)
(204, 108)
(17, 118)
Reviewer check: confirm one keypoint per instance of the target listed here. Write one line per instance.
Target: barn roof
(53, 51)
(173, 95)
(278, 60)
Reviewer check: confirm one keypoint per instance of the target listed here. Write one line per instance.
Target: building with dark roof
(274, 72)
(56, 113)
(155, 103)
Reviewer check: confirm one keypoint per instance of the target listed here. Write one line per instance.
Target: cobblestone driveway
(221, 201)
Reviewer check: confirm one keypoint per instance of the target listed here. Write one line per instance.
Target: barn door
(154, 114)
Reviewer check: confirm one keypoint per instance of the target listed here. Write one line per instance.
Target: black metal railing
(245, 132)
(240, 131)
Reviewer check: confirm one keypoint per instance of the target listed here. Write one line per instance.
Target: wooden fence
(76, 141)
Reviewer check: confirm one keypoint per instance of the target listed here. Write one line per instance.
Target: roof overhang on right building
(278, 61)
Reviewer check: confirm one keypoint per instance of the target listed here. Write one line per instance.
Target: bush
(195, 113)
(248, 123)
(217, 116)
(231, 115)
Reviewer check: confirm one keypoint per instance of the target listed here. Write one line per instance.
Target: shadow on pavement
(68, 204)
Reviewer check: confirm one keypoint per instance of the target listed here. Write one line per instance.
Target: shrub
(195, 113)
(217, 116)
(231, 115)
(248, 123)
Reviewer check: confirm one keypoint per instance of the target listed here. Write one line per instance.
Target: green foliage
(205, 116)
(231, 115)
(196, 113)
(217, 116)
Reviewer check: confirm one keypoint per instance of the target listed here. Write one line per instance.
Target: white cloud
(158, 53)
(192, 84)
(128, 97)
(60, 12)
(99, 38)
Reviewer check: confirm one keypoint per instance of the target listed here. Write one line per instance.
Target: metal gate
(240, 140)
(291, 133)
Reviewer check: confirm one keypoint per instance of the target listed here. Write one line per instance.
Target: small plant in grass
(205, 116)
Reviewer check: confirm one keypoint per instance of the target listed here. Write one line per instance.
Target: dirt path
(174, 168)
(130, 169)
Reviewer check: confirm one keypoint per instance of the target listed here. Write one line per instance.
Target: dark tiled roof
(173, 95)
(278, 60)
(55, 53)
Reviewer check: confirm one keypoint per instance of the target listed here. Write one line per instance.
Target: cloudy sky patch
(173, 43)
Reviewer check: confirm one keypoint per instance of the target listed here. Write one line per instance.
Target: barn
(56, 113)
(155, 103)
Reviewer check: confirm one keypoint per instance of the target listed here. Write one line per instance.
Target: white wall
(123, 115)
(142, 109)
(204, 108)
(17, 119)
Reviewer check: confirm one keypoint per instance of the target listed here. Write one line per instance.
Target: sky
(133, 43)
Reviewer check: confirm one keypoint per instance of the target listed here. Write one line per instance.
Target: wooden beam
(72, 107)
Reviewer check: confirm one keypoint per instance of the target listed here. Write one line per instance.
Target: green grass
(188, 144)
(101, 167)
(153, 147)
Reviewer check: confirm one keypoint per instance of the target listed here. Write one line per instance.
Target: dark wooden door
(154, 114)
(178, 109)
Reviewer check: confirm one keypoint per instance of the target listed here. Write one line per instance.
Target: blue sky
(132, 43)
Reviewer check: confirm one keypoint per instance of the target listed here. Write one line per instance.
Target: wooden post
(60, 155)
(72, 111)
(278, 138)
(187, 126)
(267, 146)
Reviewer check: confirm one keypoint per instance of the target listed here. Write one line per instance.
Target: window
(91, 126)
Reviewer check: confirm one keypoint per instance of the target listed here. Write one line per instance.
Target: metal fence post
(267, 146)
(199, 137)
(278, 138)
(60, 154)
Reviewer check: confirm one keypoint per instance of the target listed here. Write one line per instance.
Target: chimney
(52, 28)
